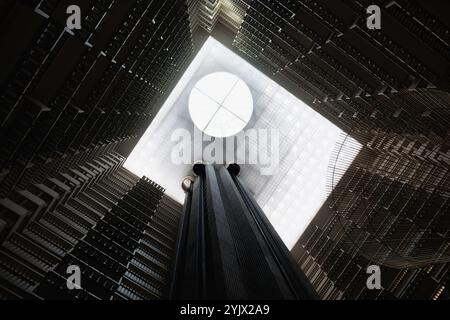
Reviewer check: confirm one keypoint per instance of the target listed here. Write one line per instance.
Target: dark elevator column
(227, 248)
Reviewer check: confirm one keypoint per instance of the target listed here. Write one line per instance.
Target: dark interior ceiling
(67, 96)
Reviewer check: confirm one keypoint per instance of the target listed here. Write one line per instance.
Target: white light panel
(292, 196)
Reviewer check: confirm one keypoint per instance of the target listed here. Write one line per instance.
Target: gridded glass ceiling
(295, 192)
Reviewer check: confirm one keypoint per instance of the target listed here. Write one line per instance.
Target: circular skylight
(220, 104)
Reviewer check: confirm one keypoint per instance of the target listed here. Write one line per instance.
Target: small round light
(220, 104)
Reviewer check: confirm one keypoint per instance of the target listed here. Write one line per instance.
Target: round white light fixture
(220, 104)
